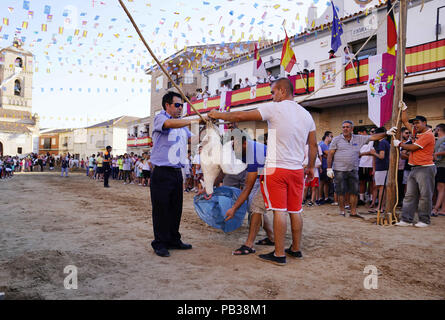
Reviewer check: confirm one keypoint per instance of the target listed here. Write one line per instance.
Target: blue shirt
(169, 145)
(382, 165)
(255, 156)
(324, 159)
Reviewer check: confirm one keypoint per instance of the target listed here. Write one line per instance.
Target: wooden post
(398, 96)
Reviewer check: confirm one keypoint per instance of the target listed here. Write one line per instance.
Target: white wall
(119, 142)
(422, 25)
(13, 141)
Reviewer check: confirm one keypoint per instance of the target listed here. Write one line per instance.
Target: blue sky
(86, 78)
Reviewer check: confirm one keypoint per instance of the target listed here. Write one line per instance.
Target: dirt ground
(48, 222)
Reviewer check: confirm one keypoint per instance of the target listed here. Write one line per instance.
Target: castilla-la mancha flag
(382, 69)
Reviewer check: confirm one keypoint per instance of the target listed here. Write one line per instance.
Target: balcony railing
(139, 142)
(420, 58)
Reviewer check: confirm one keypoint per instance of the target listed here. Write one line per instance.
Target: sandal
(434, 213)
(243, 251)
(265, 242)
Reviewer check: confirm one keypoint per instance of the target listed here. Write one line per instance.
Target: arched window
(19, 62)
(17, 88)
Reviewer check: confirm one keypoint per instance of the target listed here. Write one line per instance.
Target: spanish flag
(391, 30)
(288, 59)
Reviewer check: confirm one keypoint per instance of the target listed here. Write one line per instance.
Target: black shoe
(180, 246)
(360, 203)
(162, 252)
(106, 186)
(295, 254)
(270, 257)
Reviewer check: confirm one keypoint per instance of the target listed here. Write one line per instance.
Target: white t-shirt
(146, 165)
(289, 126)
(366, 161)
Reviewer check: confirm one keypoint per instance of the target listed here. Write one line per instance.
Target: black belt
(169, 168)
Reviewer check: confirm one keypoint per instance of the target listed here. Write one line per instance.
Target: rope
(157, 61)
(363, 46)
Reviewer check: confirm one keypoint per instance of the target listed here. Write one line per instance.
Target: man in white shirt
(247, 83)
(291, 127)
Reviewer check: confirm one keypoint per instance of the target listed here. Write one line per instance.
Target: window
(47, 144)
(53, 141)
(19, 62)
(135, 131)
(17, 88)
(227, 83)
(19, 150)
(275, 71)
(369, 50)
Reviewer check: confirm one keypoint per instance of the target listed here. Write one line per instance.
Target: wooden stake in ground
(158, 62)
(398, 96)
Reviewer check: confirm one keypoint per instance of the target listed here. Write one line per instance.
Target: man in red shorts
(290, 128)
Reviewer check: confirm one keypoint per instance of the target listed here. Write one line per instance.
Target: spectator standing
(439, 160)
(420, 185)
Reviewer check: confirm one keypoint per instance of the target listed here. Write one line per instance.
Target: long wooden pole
(398, 96)
(158, 62)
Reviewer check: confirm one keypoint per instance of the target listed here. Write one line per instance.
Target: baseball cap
(420, 118)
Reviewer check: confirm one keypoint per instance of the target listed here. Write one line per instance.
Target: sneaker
(328, 200)
(321, 202)
(310, 204)
(403, 224)
(334, 204)
(347, 207)
(295, 254)
(421, 225)
(317, 202)
(304, 203)
(270, 257)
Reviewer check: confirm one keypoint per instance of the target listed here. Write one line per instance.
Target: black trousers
(166, 200)
(107, 171)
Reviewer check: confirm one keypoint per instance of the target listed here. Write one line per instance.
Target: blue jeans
(419, 194)
(88, 170)
(66, 172)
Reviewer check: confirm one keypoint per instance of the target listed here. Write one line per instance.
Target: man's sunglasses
(179, 105)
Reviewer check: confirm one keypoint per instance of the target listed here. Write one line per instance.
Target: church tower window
(17, 88)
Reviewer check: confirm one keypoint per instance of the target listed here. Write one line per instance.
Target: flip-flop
(265, 242)
(243, 251)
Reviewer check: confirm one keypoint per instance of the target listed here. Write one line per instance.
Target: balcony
(133, 142)
(428, 57)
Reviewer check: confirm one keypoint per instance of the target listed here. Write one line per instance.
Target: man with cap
(420, 184)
